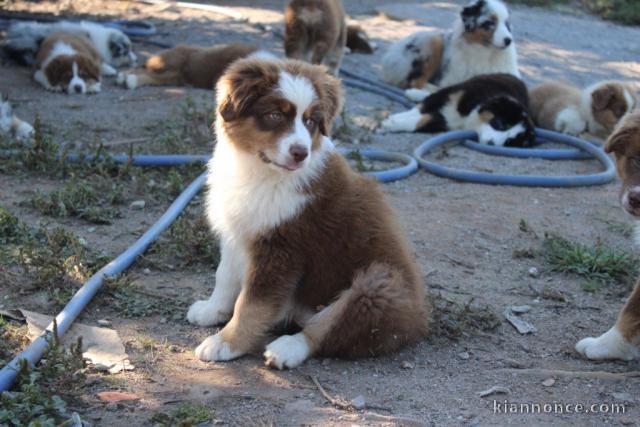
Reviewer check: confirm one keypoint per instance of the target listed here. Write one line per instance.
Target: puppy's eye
(309, 122)
(488, 25)
(275, 116)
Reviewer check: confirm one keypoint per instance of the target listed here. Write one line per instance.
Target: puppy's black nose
(634, 199)
(77, 88)
(507, 41)
(298, 152)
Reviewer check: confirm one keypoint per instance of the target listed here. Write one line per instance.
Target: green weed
(185, 415)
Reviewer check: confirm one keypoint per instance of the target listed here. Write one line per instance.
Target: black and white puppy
(493, 105)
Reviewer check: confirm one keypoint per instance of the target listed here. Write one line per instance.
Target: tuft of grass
(79, 199)
(185, 415)
(38, 399)
(11, 229)
(13, 337)
(193, 241)
(623, 11)
(622, 228)
(595, 263)
(454, 320)
(132, 302)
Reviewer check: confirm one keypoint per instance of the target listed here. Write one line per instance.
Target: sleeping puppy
(306, 243)
(69, 63)
(493, 105)
(623, 339)
(188, 65)
(316, 32)
(596, 110)
(11, 125)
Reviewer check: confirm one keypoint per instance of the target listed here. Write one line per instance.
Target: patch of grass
(13, 337)
(454, 320)
(623, 11)
(193, 242)
(80, 199)
(38, 399)
(130, 301)
(359, 162)
(185, 415)
(51, 259)
(622, 228)
(595, 263)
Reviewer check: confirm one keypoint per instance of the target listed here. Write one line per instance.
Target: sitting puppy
(305, 241)
(188, 65)
(316, 32)
(11, 125)
(493, 105)
(597, 109)
(623, 339)
(69, 63)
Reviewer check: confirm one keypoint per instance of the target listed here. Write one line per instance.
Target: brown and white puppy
(305, 241)
(68, 63)
(316, 32)
(623, 339)
(11, 125)
(596, 109)
(188, 65)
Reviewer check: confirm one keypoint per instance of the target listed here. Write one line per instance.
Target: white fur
(418, 95)
(131, 81)
(76, 81)
(461, 59)
(570, 121)
(214, 349)
(263, 55)
(489, 135)
(610, 345)
(229, 277)
(107, 70)
(407, 121)
(12, 125)
(288, 351)
(59, 48)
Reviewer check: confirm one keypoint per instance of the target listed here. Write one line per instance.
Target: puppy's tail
(381, 312)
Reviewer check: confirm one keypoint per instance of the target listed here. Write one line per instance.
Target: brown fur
(190, 65)
(432, 64)
(344, 251)
(625, 144)
(59, 70)
(316, 31)
(547, 100)
(608, 103)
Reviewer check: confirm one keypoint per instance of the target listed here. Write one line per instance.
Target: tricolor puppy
(480, 42)
(622, 341)
(11, 125)
(493, 105)
(316, 32)
(596, 109)
(68, 63)
(188, 65)
(306, 243)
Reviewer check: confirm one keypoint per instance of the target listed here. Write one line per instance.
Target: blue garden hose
(519, 180)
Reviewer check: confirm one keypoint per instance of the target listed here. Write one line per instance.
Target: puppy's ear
(242, 84)
(619, 140)
(601, 97)
(89, 67)
(332, 99)
(470, 12)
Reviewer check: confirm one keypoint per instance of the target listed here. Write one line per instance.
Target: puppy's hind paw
(610, 345)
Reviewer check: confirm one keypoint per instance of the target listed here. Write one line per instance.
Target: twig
(588, 375)
(339, 403)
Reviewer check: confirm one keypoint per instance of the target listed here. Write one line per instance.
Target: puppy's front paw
(214, 349)
(610, 345)
(120, 78)
(131, 81)
(207, 313)
(403, 122)
(288, 351)
(416, 95)
(94, 88)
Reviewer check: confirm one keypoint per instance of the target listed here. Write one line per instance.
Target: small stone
(549, 382)
(104, 322)
(626, 421)
(533, 272)
(464, 355)
(406, 365)
(359, 403)
(91, 229)
(146, 271)
(163, 320)
(138, 204)
(496, 389)
(521, 309)
(175, 349)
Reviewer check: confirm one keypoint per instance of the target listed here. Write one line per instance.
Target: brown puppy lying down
(622, 340)
(188, 66)
(316, 32)
(596, 109)
(307, 244)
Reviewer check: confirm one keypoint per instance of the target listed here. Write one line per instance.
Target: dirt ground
(466, 238)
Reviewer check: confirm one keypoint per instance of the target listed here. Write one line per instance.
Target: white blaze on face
(502, 32)
(300, 92)
(76, 84)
